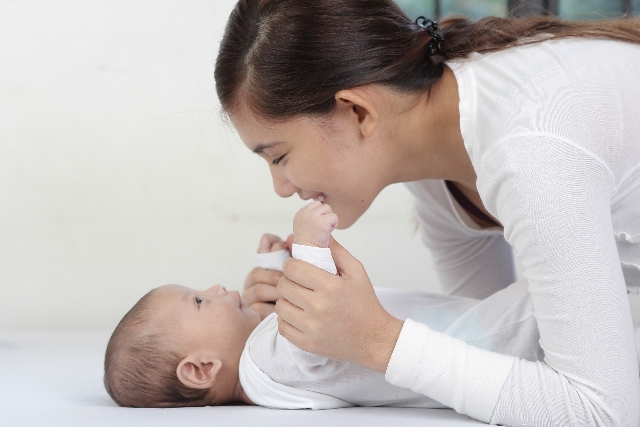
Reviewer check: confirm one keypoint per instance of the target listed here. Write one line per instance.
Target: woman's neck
(429, 135)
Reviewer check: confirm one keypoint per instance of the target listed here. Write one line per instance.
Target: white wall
(117, 174)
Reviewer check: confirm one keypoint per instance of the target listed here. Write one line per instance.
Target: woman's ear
(359, 103)
(199, 370)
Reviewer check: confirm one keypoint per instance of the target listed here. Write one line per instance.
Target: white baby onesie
(275, 373)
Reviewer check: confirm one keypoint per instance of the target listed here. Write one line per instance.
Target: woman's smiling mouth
(320, 197)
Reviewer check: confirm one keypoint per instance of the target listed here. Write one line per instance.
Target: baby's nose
(218, 289)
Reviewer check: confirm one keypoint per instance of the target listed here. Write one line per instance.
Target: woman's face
(319, 158)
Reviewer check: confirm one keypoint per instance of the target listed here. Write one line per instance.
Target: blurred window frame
(540, 7)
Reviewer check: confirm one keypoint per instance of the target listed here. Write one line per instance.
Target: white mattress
(55, 379)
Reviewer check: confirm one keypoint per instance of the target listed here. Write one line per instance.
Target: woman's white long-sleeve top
(553, 132)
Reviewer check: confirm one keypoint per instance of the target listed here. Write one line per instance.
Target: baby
(182, 347)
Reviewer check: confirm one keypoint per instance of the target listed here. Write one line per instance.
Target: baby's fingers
(279, 246)
(267, 241)
(332, 219)
(322, 209)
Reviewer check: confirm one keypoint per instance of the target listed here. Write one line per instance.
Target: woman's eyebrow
(261, 147)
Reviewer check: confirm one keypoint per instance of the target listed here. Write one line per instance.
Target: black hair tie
(433, 28)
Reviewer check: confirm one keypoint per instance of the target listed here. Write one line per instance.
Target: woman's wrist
(383, 344)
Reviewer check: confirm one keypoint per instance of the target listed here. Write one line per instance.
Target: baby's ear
(199, 370)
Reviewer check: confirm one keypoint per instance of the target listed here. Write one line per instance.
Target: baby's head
(179, 347)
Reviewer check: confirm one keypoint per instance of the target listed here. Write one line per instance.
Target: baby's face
(213, 319)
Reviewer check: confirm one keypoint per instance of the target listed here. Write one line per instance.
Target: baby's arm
(312, 227)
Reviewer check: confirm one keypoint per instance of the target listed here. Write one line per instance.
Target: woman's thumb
(290, 242)
(340, 255)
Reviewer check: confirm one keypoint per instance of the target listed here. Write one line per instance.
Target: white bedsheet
(55, 379)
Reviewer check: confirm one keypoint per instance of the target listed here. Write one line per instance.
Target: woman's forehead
(261, 134)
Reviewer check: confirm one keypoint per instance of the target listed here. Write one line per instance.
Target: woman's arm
(560, 224)
(554, 201)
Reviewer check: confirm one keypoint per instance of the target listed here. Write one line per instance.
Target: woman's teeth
(320, 197)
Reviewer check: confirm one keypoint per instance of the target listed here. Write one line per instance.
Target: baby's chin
(253, 318)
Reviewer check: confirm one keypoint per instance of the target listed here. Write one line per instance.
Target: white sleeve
(273, 260)
(311, 365)
(273, 351)
(320, 257)
(554, 200)
(469, 263)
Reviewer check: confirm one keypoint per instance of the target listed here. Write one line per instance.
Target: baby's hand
(271, 243)
(313, 225)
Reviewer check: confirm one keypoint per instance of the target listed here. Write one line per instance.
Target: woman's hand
(260, 292)
(336, 316)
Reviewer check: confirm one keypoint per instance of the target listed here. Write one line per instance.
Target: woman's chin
(346, 220)
(349, 215)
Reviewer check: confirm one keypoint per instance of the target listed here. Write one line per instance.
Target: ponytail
(493, 33)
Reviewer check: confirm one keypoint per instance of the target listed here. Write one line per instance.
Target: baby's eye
(198, 301)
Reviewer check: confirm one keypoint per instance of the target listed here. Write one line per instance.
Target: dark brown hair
(284, 58)
(140, 364)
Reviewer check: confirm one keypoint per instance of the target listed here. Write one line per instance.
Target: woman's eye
(278, 160)
(198, 301)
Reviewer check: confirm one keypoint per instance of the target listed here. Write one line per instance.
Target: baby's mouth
(240, 303)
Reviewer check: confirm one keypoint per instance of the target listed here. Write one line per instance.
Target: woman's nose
(282, 186)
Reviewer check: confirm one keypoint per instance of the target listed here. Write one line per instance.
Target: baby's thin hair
(140, 364)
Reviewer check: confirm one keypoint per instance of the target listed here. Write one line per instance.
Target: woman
(520, 132)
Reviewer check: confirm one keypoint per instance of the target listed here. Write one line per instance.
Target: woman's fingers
(293, 293)
(260, 287)
(260, 275)
(261, 292)
(293, 335)
(313, 278)
(302, 272)
(289, 242)
(345, 262)
(336, 316)
(290, 313)
(263, 308)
